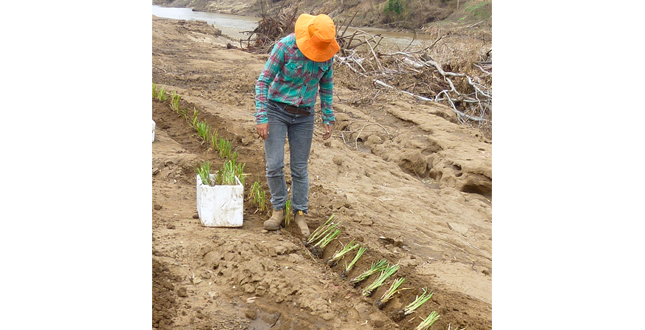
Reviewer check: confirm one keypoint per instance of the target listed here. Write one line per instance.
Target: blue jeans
(299, 129)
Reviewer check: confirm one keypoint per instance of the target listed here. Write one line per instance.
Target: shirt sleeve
(271, 68)
(326, 95)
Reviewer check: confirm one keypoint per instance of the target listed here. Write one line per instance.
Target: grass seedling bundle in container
(428, 322)
(349, 267)
(220, 197)
(239, 171)
(321, 231)
(319, 248)
(394, 288)
(376, 267)
(389, 271)
(409, 309)
(204, 174)
(340, 254)
(226, 176)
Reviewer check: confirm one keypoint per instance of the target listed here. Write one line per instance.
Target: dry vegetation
(454, 68)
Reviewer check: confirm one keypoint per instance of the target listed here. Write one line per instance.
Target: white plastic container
(153, 131)
(220, 205)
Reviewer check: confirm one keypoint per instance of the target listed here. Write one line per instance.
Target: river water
(234, 25)
(231, 25)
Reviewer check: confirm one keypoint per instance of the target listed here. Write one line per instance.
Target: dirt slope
(407, 182)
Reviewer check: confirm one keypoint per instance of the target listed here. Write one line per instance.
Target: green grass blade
(418, 301)
(360, 252)
(428, 322)
(394, 288)
(350, 246)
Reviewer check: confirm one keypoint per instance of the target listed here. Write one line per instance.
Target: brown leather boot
(302, 224)
(274, 222)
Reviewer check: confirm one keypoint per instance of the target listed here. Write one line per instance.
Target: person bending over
(298, 69)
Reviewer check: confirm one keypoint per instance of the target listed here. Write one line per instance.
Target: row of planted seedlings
(319, 239)
(322, 236)
(230, 168)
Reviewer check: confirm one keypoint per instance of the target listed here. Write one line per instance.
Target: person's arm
(271, 68)
(326, 98)
(326, 95)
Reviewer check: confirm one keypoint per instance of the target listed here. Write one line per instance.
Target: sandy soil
(407, 181)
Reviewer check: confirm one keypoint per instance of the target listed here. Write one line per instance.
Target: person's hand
(328, 129)
(263, 130)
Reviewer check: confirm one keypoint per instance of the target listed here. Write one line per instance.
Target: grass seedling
(287, 212)
(320, 235)
(174, 101)
(319, 247)
(340, 254)
(410, 308)
(253, 193)
(226, 176)
(320, 231)
(214, 140)
(204, 172)
(389, 271)
(349, 267)
(224, 148)
(154, 90)
(262, 200)
(203, 130)
(194, 122)
(239, 171)
(428, 322)
(394, 288)
(161, 94)
(259, 196)
(376, 267)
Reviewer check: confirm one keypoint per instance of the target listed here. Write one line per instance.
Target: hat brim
(304, 43)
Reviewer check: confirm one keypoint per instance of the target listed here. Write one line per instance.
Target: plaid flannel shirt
(290, 77)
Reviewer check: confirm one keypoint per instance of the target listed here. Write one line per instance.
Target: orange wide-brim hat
(316, 37)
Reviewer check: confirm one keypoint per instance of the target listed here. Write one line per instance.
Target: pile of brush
(270, 29)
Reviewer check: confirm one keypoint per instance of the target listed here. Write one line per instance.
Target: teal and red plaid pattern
(290, 77)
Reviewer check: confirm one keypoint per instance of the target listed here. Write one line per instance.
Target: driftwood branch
(417, 70)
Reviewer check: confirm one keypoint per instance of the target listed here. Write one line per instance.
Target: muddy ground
(406, 180)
